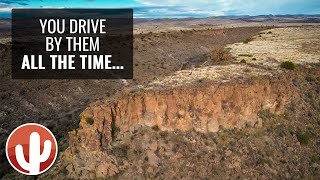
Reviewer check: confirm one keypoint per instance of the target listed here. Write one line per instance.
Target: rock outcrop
(205, 107)
(204, 99)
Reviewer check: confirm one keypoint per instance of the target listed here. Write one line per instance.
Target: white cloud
(5, 10)
(239, 7)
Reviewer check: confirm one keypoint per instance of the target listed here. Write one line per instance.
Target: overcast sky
(176, 8)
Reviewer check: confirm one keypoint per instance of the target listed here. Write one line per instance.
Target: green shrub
(89, 120)
(247, 70)
(116, 130)
(265, 114)
(62, 147)
(164, 134)
(220, 54)
(287, 65)
(121, 150)
(246, 41)
(243, 61)
(303, 138)
(156, 128)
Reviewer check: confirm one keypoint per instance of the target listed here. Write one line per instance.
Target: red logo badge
(31, 149)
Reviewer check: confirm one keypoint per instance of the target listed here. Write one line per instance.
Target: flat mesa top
(262, 55)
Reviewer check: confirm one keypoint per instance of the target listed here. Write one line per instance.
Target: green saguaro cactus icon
(35, 158)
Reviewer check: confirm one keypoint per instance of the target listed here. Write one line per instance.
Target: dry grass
(220, 54)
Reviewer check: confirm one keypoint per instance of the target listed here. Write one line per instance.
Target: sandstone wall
(204, 109)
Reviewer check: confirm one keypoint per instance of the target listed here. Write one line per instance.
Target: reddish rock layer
(203, 109)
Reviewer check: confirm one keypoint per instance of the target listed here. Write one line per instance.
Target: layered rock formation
(204, 106)
(202, 109)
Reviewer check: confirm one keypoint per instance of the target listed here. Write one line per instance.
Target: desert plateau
(211, 98)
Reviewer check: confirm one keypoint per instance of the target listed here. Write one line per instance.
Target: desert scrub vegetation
(243, 61)
(265, 114)
(164, 134)
(156, 128)
(303, 138)
(89, 120)
(247, 70)
(116, 129)
(246, 41)
(287, 65)
(121, 150)
(220, 54)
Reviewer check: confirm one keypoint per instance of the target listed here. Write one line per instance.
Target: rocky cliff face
(205, 108)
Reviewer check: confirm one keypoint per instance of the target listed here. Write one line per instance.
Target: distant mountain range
(233, 16)
(274, 16)
(297, 18)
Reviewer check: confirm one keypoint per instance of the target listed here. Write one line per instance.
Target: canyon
(203, 109)
(206, 100)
